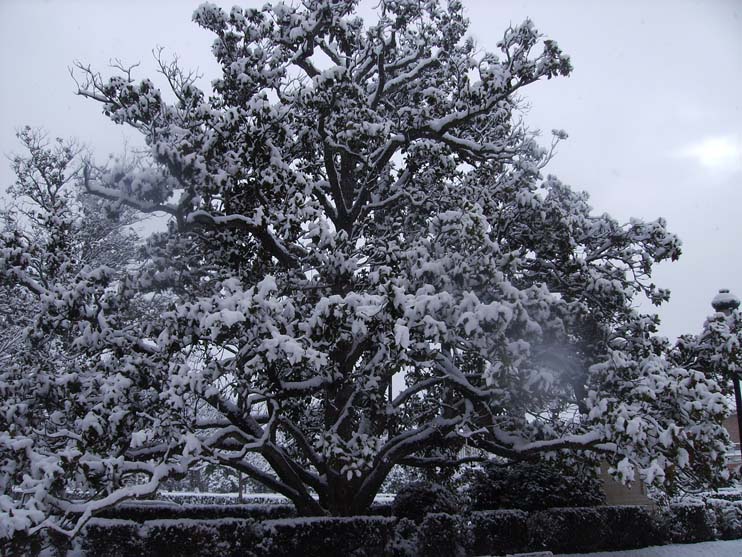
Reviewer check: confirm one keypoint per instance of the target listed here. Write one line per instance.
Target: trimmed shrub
(403, 542)
(362, 536)
(689, 523)
(632, 527)
(442, 535)
(183, 537)
(417, 499)
(498, 532)
(728, 515)
(561, 530)
(580, 529)
(111, 537)
(589, 529)
(196, 538)
(532, 486)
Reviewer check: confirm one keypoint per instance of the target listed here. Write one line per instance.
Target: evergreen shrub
(442, 535)
(532, 486)
(417, 499)
(498, 532)
(360, 536)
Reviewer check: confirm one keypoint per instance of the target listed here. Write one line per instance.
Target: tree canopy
(364, 267)
(57, 242)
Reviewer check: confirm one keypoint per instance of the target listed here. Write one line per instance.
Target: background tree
(715, 352)
(53, 234)
(365, 267)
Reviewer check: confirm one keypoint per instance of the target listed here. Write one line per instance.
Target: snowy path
(730, 548)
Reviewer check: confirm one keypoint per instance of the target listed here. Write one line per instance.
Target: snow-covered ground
(730, 548)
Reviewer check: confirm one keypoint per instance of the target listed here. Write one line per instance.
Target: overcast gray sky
(653, 108)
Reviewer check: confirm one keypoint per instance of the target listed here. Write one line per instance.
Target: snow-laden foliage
(717, 350)
(533, 486)
(417, 499)
(53, 247)
(364, 267)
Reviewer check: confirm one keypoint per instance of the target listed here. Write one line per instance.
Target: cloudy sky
(653, 108)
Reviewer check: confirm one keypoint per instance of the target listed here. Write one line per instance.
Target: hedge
(533, 486)
(442, 534)
(574, 529)
(418, 499)
(325, 536)
(366, 536)
(500, 531)
(632, 527)
(562, 530)
(183, 537)
(689, 523)
(728, 518)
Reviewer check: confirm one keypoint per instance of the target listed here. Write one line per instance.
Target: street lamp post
(725, 302)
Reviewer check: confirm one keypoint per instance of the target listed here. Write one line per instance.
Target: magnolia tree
(717, 350)
(54, 239)
(364, 267)
(53, 229)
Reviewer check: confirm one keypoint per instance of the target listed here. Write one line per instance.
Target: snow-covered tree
(364, 267)
(58, 226)
(54, 234)
(717, 350)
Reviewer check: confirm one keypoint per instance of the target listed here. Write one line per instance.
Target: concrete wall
(734, 458)
(618, 494)
(732, 427)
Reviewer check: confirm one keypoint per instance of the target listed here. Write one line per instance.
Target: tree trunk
(341, 494)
